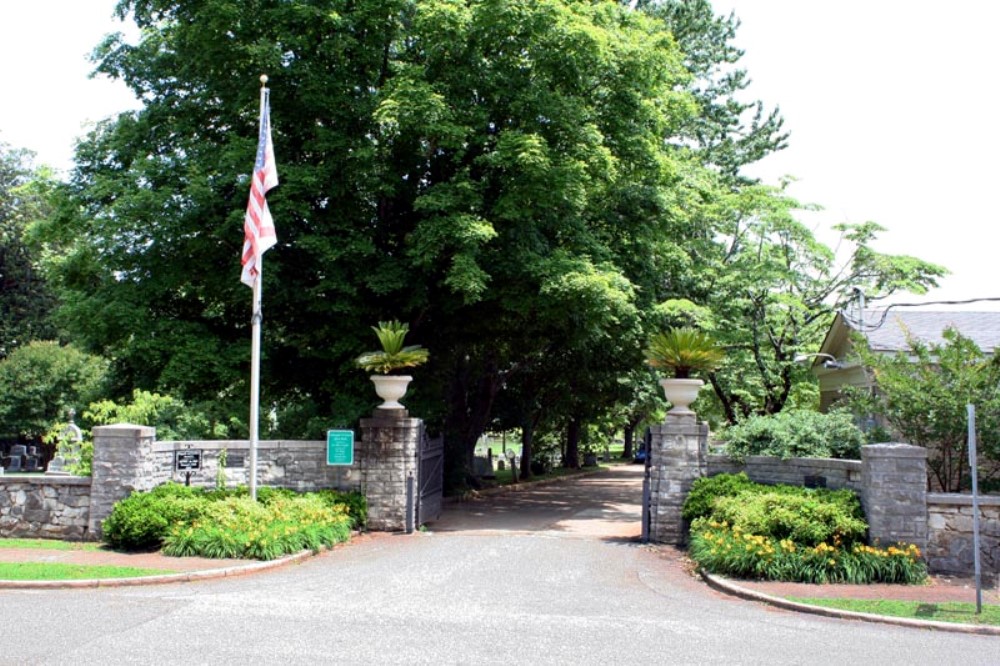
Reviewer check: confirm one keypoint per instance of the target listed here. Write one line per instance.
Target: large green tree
(25, 300)
(730, 129)
(768, 289)
(495, 173)
(41, 381)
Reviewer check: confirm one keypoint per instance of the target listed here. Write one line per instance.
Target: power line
(856, 323)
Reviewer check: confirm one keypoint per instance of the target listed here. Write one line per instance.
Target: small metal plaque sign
(814, 481)
(339, 447)
(236, 460)
(187, 460)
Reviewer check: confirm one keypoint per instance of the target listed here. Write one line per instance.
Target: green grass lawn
(54, 571)
(48, 544)
(945, 612)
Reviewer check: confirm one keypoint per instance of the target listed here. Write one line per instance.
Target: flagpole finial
(263, 79)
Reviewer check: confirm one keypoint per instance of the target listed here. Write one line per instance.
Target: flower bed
(749, 530)
(724, 549)
(228, 524)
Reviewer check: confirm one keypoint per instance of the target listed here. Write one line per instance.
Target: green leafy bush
(41, 380)
(265, 494)
(729, 550)
(806, 518)
(796, 434)
(705, 490)
(354, 502)
(172, 418)
(238, 527)
(751, 530)
(227, 523)
(141, 521)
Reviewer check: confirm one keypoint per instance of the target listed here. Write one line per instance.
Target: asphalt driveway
(549, 575)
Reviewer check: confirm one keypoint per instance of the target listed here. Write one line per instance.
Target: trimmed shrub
(745, 529)
(805, 518)
(705, 490)
(796, 434)
(227, 523)
(140, 521)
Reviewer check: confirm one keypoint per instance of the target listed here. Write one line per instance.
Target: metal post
(645, 503)
(975, 507)
(409, 503)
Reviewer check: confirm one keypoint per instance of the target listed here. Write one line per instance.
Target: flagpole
(256, 320)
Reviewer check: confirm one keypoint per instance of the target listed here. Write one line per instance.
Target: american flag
(258, 227)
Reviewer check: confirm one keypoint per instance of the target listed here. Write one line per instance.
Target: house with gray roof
(886, 332)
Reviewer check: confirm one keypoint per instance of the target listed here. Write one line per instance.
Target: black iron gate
(430, 480)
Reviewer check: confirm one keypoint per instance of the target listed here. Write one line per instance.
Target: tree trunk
(467, 418)
(572, 458)
(527, 439)
(627, 453)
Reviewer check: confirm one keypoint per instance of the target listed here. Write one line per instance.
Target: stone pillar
(678, 456)
(123, 463)
(387, 454)
(894, 493)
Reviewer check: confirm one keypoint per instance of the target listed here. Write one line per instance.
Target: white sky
(889, 104)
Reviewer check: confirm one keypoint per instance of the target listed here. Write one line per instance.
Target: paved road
(543, 576)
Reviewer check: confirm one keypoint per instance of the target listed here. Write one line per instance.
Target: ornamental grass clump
(238, 527)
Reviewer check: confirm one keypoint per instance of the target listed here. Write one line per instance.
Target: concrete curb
(162, 579)
(728, 587)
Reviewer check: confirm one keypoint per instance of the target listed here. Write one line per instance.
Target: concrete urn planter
(391, 388)
(681, 393)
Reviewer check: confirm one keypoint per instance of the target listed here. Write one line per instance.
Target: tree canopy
(25, 300)
(528, 184)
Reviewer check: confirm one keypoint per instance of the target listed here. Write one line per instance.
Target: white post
(975, 508)
(255, 322)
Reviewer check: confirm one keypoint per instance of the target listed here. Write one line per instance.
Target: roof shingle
(983, 328)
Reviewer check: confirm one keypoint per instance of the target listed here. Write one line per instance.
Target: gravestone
(68, 455)
(481, 467)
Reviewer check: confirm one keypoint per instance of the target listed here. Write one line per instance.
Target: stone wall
(123, 464)
(127, 458)
(387, 455)
(894, 493)
(810, 472)
(299, 465)
(56, 507)
(950, 537)
(891, 480)
(677, 457)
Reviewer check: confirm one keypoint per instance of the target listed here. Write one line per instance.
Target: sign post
(975, 508)
(187, 461)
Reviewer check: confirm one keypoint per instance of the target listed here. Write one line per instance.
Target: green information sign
(339, 447)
